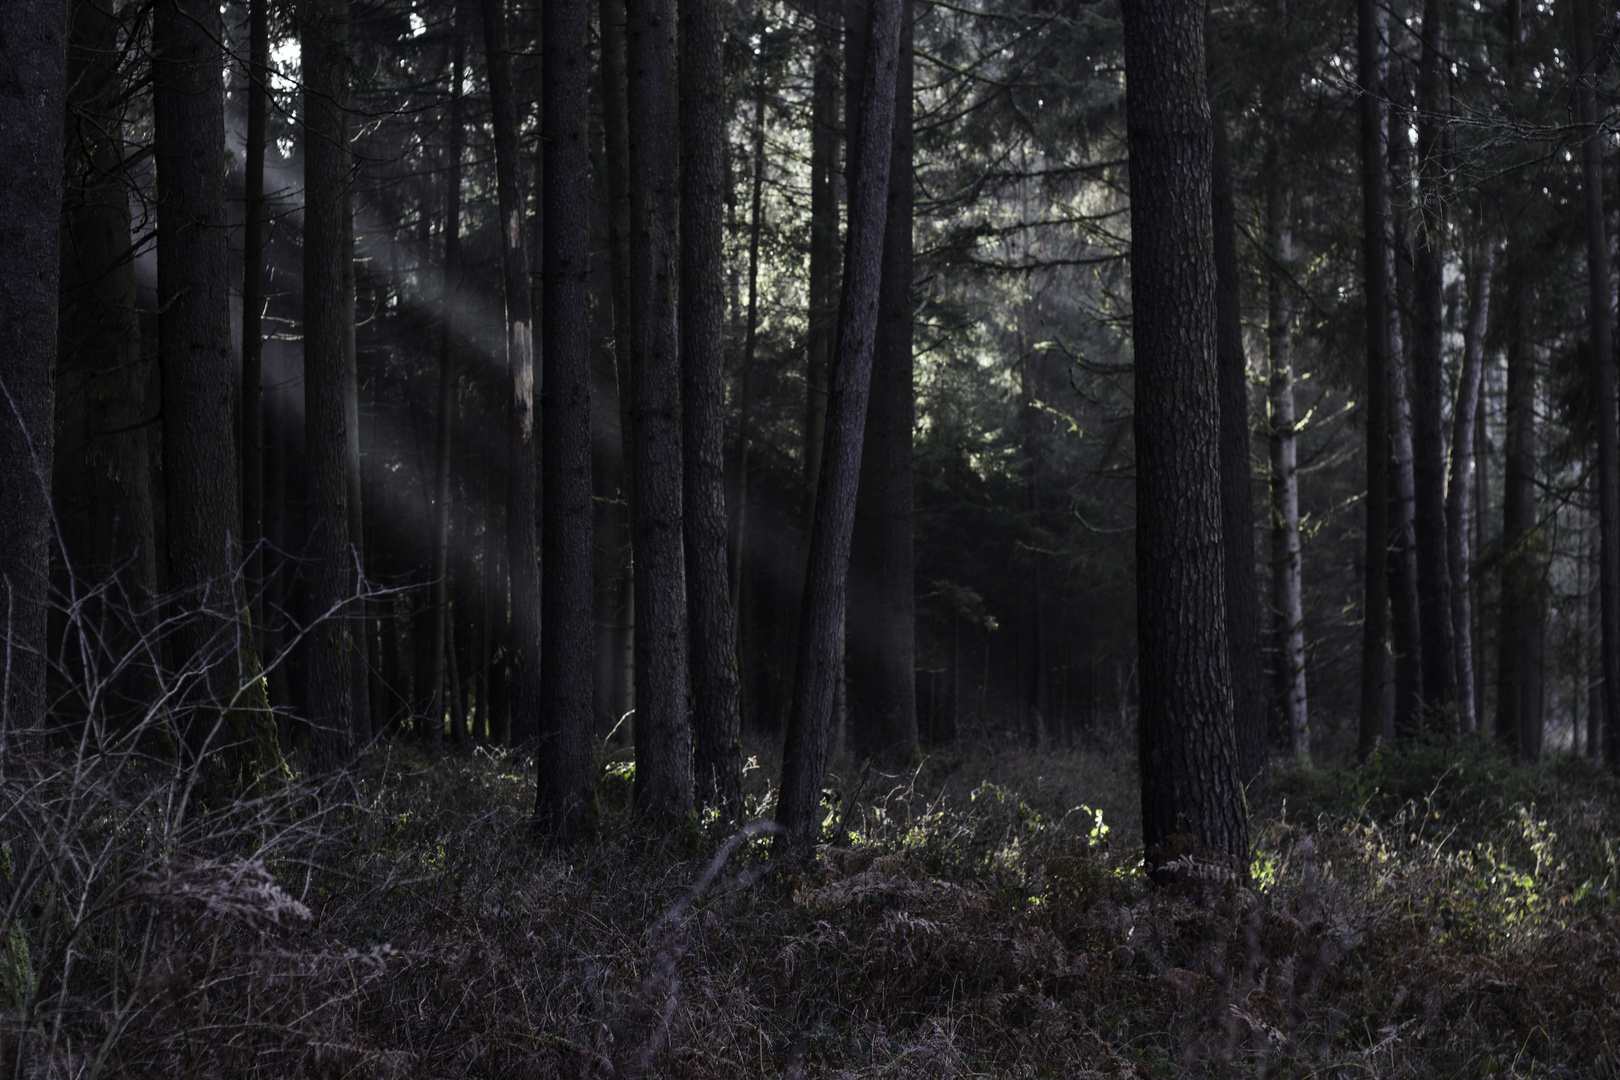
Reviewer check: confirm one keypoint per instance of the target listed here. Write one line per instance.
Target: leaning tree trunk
(1375, 267)
(1603, 360)
(1459, 482)
(1428, 379)
(882, 650)
(520, 495)
(33, 53)
(563, 797)
(821, 611)
(663, 728)
(1287, 595)
(1191, 795)
(325, 52)
(716, 723)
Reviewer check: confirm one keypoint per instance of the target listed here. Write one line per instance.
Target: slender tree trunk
(33, 53)
(1428, 378)
(663, 724)
(1603, 360)
(882, 617)
(566, 782)
(1375, 660)
(446, 411)
(359, 658)
(520, 479)
(1287, 595)
(324, 42)
(1518, 698)
(258, 106)
(1594, 636)
(745, 403)
(1191, 795)
(716, 725)
(1459, 484)
(823, 313)
(822, 608)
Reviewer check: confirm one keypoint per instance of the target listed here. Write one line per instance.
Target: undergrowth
(1435, 914)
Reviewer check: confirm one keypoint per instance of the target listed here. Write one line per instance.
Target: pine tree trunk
(1287, 595)
(1191, 796)
(823, 314)
(359, 659)
(1518, 697)
(258, 107)
(716, 726)
(566, 635)
(882, 610)
(1371, 66)
(822, 607)
(663, 723)
(33, 53)
(324, 41)
(1459, 483)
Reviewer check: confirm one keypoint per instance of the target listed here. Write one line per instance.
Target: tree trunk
(359, 658)
(1287, 596)
(716, 725)
(1459, 484)
(1375, 266)
(1191, 796)
(1428, 379)
(745, 403)
(566, 783)
(663, 727)
(258, 107)
(823, 312)
(433, 729)
(324, 41)
(882, 609)
(1518, 698)
(822, 607)
(1608, 422)
(520, 482)
(33, 53)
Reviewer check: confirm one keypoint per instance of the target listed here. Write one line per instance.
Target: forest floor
(1443, 914)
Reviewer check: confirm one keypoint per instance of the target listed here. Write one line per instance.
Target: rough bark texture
(324, 48)
(1375, 268)
(1287, 595)
(33, 55)
(520, 484)
(1428, 379)
(1237, 502)
(821, 612)
(881, 649)
(663, 727)
(566, 637)
(1191, 796)
(716, 723)
(1460, 482)
(1603, 360)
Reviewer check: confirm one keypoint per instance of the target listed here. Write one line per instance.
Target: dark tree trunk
(821, 612)
(1375, 266)
(745, 402)
(1518, 697)
(1191, 796)
(1459, 484)
(433, 728)
(324, 41)
(566, 635)
(1608, 422)
(1428, 379)
(882, 617)
(520, 481)
(823, 238)
(1237, 502)
(359, 657)
(663, 726)
(716, 726)
(252, 405)
(33, 54)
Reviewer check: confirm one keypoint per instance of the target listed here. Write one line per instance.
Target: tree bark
(1375, 268)
(823, 312)
(1191, 795)
(663, 726)
(882, 650)
(566, 783)
(1603, 360)
(745, 402)
(822, 607)
(716, 724)
(258, 107)
(33, 54)
(1519, 690)
(1459, 483)
(324, 41)
(1287, 595)
(1428, 378)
